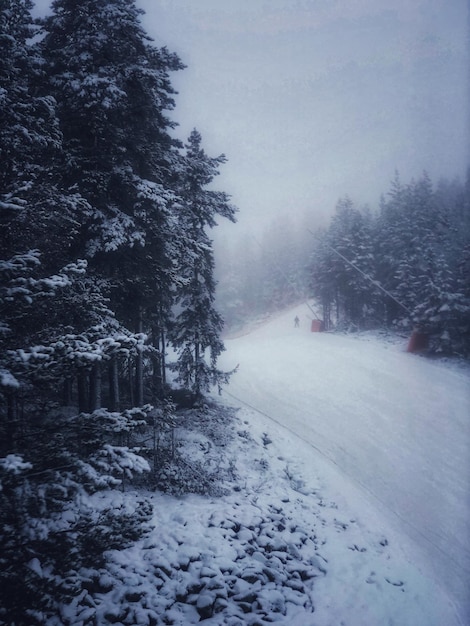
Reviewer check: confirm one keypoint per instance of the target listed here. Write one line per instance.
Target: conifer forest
(109, 317)
(402, 265)
(106, 261)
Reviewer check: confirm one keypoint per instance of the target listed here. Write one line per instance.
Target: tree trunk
(131, 381)
(197, 382)
(113, 372)
(95, 387)
(139, 379)
(67, 391)
(326, 316)
(139, 367)
(11, 422)
(157, 364)
(163, 359)
(83, 399)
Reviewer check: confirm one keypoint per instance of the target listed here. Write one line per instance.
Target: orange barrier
(418, 342)
(317, 326)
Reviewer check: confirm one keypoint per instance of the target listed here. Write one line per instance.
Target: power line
(366, 276)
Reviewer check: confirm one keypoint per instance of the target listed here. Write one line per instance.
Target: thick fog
(315, 99)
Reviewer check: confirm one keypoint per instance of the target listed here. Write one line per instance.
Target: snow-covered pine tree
(463, 287)
(442, 303)
(391, 238)
(28, 125)
(322, 287)
(35, 211)
(443, 310)
(409, 228)
(38, 217)
(343, 256)
(14, 291)
(197, 327)
(414, 249)
(113, 89)
(55, 326)
(114, 92)
(51, 459)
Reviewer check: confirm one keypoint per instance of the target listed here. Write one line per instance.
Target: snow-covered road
(395, 424)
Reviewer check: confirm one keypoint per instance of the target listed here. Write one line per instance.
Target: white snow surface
(384, 436)
(344, 462)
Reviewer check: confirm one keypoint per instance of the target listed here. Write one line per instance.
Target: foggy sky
(311, 100)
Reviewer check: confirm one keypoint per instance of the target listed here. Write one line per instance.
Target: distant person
(296, 321)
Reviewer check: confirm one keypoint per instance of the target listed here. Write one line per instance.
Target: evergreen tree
(411, 229)
(198, 325)
(443, 311)
(28, 126)
(411, 251)
(89, 174)
(114, 92)
(113, 89)
(322, 287)
(35, 210)
(52, 461)
(342, 262)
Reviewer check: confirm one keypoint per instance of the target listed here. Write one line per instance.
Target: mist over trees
(106, 262)
(264, 271)
(404, 264)
(107, 265)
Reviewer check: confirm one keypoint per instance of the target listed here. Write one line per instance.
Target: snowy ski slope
(392, 426)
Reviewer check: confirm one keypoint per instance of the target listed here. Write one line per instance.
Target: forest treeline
(403, 265)
(106, 264)
(406, 265)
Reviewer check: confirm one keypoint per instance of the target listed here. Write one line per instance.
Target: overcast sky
(311, 100)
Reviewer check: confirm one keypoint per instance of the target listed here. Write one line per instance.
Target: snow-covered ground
(343, 465)
(387, 435)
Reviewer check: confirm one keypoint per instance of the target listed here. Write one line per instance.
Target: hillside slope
(390, 425)
(305, 505)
